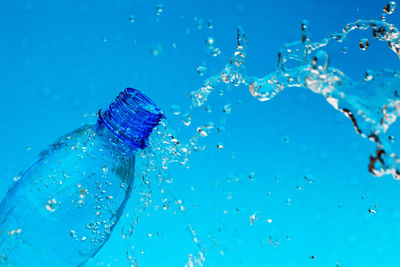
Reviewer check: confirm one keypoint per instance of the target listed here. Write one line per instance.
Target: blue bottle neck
(130, 119)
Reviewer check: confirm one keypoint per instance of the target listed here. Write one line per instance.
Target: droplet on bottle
(390, 7)
(364, 44)
(345, 49)
(254, 217)
(220, 145)
(227, 108)
(132, 18)
(392, 138)
(208, 108)
(201, 70)
(252, 176)
(175, 109)
(160, 8)
(52, 205)
(186, 119)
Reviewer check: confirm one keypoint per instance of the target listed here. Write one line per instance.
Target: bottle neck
(129, 120)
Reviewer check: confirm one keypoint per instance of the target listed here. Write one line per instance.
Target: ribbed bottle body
(63, 208)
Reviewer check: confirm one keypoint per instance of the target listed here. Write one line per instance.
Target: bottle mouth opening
(131, 118)
(142, 100)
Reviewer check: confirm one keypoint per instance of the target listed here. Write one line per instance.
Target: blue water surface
(291, 185)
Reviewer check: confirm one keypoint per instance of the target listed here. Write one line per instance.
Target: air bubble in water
(132, 18)
(201, 70)
(227, 108)
(160, 8)
(364, 44)
(390, 7)
(175, 109)
(186, 119)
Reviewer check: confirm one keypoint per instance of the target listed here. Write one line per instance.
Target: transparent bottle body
(63, 208)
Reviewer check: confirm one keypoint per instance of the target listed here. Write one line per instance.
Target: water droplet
(390, 7)
(160, 8)
(216, 51)
(203, 131)
(201, 70)
(285, 139)
(210, 41)
(208, 108)
(227, 108)
(345, 49)
(156, 50)
(186, 119)
(308, 178)
(52, 205)
(254, 217)
(364, 44)
(209, 24)
(132, 18)
(175, 109)
(369, 75)
(199, 22)
(220, 145)
(72, 234)
(392, 138)
(252, 176)
(104, 39)
(372, 210)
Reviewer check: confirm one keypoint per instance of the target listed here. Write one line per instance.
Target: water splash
(372, 104)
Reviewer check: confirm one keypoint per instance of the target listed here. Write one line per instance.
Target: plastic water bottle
(63, 208)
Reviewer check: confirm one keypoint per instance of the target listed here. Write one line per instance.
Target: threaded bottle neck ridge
(131, 118)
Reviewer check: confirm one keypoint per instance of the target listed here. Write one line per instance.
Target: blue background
(62, 60)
